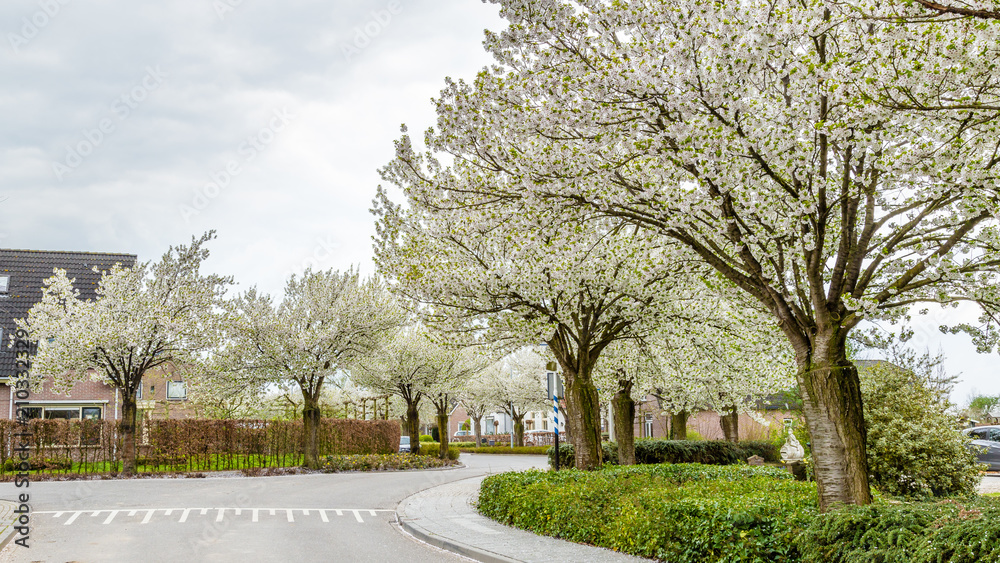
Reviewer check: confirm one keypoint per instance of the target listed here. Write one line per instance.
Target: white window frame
(5, 284)
(171, 395)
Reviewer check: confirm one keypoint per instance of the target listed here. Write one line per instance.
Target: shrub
(433, 448)
(941, 532)
(523, 450)
(682, 512)
(914, 449)
(462, 444)
(380, 462)
(427, 438)
(711, 452)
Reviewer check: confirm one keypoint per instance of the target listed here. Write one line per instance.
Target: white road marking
(220, 514)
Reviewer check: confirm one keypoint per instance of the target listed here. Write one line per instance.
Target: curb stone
(7, 520)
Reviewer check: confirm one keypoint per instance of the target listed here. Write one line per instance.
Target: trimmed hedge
(947, 531)
(92, 446)
(380, 462)
(434, 448)
(683, 512)
(710, 452)
(523, 450)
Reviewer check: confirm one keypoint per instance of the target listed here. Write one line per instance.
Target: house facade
(22, 275)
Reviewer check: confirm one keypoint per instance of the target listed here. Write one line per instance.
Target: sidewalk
(443, 516)
(7, 521)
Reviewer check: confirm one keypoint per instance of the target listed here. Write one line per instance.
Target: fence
(92, 446)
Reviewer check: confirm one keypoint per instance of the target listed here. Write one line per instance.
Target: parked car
(462, 433)
(404, 444)
(986, 444)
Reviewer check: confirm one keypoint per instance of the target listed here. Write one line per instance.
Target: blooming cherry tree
(483, 272)
(164, 313)
(836, 162)
(325, 321)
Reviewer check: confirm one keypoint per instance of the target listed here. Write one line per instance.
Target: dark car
(986, 442)
(404, 444)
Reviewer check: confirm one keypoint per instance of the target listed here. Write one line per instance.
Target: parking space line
(71, 518)
(110, 517)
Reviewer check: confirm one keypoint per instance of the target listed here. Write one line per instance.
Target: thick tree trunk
(730, 422)
(128, 453)
(478, 426)
(413, 427)
(519, 431)
(623, 409)
(831, 402)
(679, 425)
(310, 422)
(583, 417)
(444, 431)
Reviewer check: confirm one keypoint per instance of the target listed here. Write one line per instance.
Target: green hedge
(523, 450)
(380, 462)
(682, 513)
(433, 448)
(947, 531)
(710, 452)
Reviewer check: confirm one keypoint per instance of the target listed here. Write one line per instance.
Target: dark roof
(29, 268)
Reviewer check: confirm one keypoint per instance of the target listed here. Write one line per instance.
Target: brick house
(22, 273)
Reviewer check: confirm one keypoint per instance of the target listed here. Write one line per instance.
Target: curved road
(328, 517)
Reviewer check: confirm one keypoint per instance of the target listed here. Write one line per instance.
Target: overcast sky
(130, 126)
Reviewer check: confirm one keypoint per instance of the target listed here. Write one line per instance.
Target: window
(980, 434)
(176, 390)
(54, 413)
(138, 392)
(545, 424)
(647, 426)
(60, 412)
(994, 435)
(4, 284)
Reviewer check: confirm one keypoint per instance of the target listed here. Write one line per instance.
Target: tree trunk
(730, 422)
(128, 452)
(443, 432)
(583, 417)
(310, 427)
(478, 426)
(623, 409)
(519, 431)
(413, 427)
(831, 403)
(679, 425)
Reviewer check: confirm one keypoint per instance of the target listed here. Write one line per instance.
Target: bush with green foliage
(523, 450)
(462, 444)
(380, 462)
(683, 512)
(433, 448)
(427, 438)
(711, 452)
(914, 446)
(947, 531)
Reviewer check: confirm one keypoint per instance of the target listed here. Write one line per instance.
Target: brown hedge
(92, 446)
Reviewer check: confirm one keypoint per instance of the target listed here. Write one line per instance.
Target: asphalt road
(329, 517)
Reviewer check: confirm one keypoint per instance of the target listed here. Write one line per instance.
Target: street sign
(555, 385)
